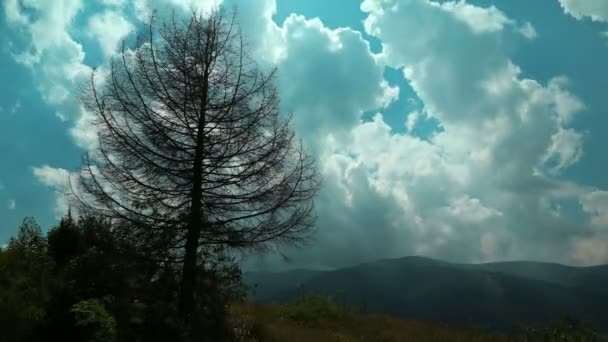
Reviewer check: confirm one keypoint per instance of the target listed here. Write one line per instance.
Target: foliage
(92, 315)
(25, 282)
(568, 329)
(83, 283)
(269, 323)
(313, 308)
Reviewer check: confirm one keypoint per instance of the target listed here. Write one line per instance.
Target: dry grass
(309, 321)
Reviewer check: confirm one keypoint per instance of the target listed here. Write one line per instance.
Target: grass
(319, 319)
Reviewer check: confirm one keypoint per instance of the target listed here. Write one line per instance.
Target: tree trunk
(189, 269)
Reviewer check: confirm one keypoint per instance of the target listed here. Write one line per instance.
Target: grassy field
(318, 319)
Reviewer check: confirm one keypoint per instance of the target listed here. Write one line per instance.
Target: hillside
(319, 319)
(495, 296)
(321, 323)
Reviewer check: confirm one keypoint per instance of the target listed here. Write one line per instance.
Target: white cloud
(484, 19)
(47, 27)
(84, 131)
(593, 247)
(596, 205)
(109, 28)
(479, 188)
(338, 76)
(412, 119)
(597, 10)
(528, 31)
(48, 49)
(13, 13)
(470, 210)
(479, 19)
(55, 177)
(113, 2)
(262, 33)
(11, 204)
(566, 149)
(591, 251)
(59, 180)
(143, 8)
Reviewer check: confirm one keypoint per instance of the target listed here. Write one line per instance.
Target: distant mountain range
(498, 296)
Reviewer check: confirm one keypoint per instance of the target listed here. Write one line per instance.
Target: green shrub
(98, 324)
(312, 308)
(567, 330)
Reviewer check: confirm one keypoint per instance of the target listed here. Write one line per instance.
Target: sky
(468, 131)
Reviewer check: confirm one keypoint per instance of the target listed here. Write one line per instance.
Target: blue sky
(462, 130)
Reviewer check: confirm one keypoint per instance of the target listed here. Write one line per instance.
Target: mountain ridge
(497, 295)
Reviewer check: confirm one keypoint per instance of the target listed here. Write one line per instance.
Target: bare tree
(192, 149)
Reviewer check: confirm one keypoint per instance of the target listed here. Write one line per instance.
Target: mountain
(594, 277)
(498, 296)
(266, 285)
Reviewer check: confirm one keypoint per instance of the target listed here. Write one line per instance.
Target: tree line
(80, 282)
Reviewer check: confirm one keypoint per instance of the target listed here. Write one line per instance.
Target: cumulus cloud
(593, 248)
(597, 10)
(479, 19)
(412, 119)
(44, 22)
(11, 204)
(527, 30)
(42, 42)
(59, 180)
(109, 28)
(143, 8)
(565, 150)
(262, 33)
(484, 187)
(596, 205)
(113, 2)
(338, 78)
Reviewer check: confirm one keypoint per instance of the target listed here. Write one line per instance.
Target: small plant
(92, 316)
(566, 330)
(312, 308)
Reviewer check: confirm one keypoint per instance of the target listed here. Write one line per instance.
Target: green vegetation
(314, 308)
(319, 319)
(82, 283)
(92, 315)
(566, 330)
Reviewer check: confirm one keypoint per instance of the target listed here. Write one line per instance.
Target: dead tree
(193, 151)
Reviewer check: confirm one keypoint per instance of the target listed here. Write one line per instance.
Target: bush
(312, 308)
(567, 330)
(97, 323)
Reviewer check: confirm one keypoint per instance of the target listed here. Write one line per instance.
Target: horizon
(371, 262)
